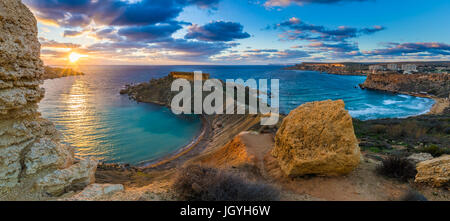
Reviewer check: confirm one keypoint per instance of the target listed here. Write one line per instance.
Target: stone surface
(95, 191)
(419, 157)
(245, 149)
(317, 138)
(29, 145)
(435, 172)
(77, 176)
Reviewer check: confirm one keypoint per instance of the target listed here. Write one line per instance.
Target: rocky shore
(313, 154)
(332, 68)
(432, 85)
(265, 155)
(54, 72)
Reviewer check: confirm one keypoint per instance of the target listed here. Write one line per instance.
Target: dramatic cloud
(70, 13)
(149, 33)
(282, 3)
(295, 29)
(196, 48)
(424, 48)
(217, 31)
(107, 34)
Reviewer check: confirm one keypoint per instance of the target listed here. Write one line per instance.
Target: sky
(228, 32)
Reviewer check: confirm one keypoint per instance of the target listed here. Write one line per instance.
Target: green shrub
(378, 129)
(434, 150)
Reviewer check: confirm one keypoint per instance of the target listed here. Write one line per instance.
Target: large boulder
(435, 172)
(30, 151)
(317, 138)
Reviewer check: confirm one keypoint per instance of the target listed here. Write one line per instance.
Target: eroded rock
(95, 191)
(317, 138)
(435, 172)
(30, 153)
(76, 177)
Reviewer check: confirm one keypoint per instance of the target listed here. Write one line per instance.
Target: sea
(99, 122)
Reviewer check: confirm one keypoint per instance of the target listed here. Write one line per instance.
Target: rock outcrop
(246, 149)
(53, 72)
(428, 84)
(317, 138)
(29, 145)
(435, 172)
(419, 157)
(96, 191)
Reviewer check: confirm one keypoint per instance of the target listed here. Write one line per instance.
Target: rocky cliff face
(317, 138)
(32, 161)
(432, 84)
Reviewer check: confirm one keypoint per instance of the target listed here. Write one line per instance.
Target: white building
(375, 68)
(392, 67)
(409, 68)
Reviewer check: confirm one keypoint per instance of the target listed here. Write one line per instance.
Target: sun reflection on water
(82, 123)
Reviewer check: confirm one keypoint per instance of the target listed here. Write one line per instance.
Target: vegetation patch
(197, 183)
(397, 167)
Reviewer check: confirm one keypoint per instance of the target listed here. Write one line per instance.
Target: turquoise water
(95, 119)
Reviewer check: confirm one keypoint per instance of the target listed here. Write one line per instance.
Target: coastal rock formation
(435, 172)
(52, 72)
(29, 145)
(317, 138)
(427, 84)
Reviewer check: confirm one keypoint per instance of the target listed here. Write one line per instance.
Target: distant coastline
(56, 72)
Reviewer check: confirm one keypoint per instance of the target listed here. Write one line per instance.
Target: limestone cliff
(431, 84)
(33, 163)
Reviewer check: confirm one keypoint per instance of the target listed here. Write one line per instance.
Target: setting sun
(74, 57)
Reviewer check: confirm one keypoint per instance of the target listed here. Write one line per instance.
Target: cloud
(295, 29)
(419, 48)
(54, 44)
(334, 47)
(283, 3)
(72, 33)
(217, 31)
(263, 56)
(196, 48)
(149, 33)
(70, 13)
(107, 34)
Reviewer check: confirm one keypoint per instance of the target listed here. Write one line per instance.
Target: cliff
(437, 85)
(333, 68)
(33, 164)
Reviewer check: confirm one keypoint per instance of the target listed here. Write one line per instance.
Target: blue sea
(99, 122)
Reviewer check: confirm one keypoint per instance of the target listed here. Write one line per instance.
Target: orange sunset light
(74, 57)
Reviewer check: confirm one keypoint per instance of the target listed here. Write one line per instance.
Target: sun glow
(74, 57)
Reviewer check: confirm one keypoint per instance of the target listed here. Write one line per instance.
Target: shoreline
(203, 138)
(439, 106)
(179, 152)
